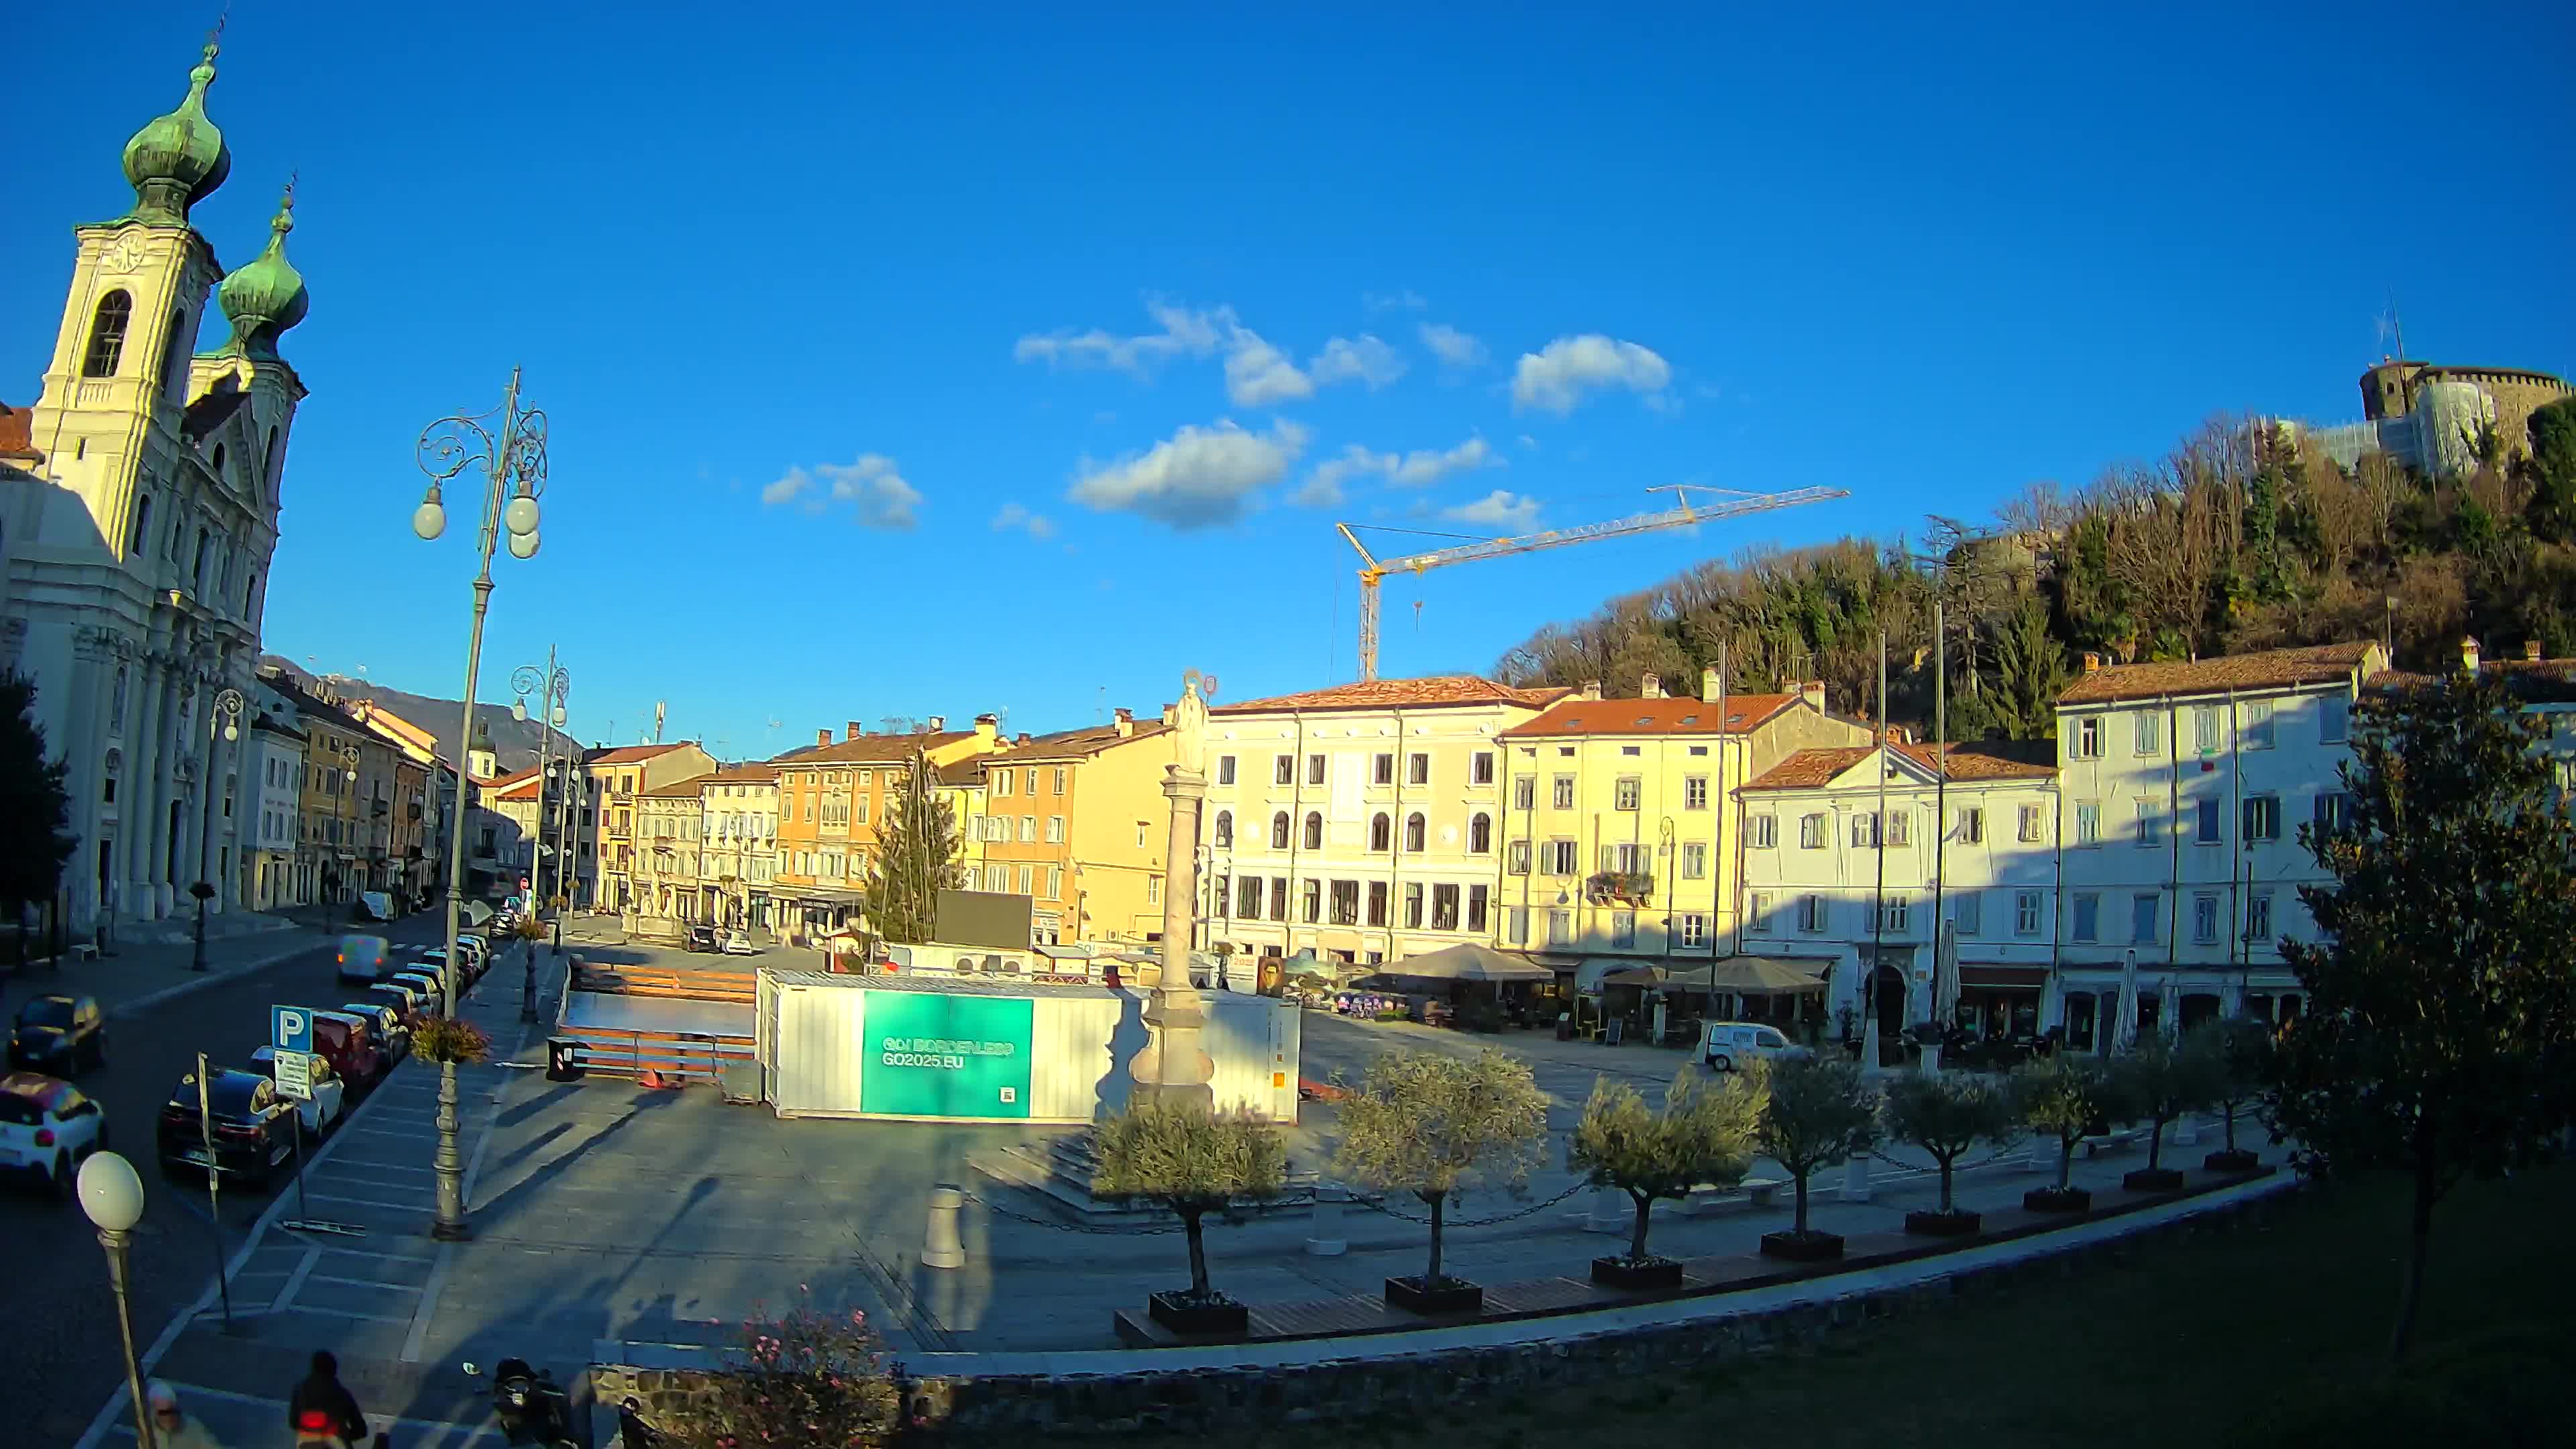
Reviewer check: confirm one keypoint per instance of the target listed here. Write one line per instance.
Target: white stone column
(84, 747)
(144, 813)
(1173, 1066)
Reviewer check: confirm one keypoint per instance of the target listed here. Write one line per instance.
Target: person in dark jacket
(322, 1392)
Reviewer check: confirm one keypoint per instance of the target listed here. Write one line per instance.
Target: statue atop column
(1189, 728)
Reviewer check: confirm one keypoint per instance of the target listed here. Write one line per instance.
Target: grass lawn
(2274, 1335)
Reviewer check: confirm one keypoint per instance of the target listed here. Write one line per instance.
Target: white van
(1724, 1043)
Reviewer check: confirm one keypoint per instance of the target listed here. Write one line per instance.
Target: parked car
(738, 943)
(362, 958)
(343, 1040)
(702, 938)
(433, 996)
(58, 1035)
(253, 1132)
(406, 1001)
(330, 1100)
(46, 1128)
(393, 1034)
(1722, 1044)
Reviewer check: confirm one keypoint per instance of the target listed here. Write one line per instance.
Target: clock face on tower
(123, 256)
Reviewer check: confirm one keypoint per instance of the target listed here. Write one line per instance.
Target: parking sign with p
(290, 1028)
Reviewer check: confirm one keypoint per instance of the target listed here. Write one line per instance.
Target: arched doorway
(1887, 1002)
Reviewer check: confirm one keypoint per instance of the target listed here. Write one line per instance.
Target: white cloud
(878, 495)
(1556, 377)
(1035, 525)
(1418, 469)
(1407, 300)
(1364, 359)
(1529, 442)
(1197, 478)
(1453, 347)
(1184, 332)
(1260, 375)
(1510, 512)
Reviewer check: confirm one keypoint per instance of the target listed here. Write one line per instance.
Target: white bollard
(2186, 1130)
(2040, 1155)
(942, 1248)
(1856, 1180)
(1324, 1237)
(1611, 1212)
(1932, 1060)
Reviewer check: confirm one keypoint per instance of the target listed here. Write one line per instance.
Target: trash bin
(563, 1060)
(1564, 1026)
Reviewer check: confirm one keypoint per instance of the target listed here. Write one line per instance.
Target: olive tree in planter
(1947, 1114)
(2242, 1046)
(1434, 1125)
(1193, 1163)
(1818, 1114)
(2160, 1078)
(2060, 1095)
(1703, 1135)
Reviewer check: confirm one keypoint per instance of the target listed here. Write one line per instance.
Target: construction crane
(1731, 504)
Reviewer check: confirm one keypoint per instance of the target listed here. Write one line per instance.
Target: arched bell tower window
(107, 335)
(219, 459)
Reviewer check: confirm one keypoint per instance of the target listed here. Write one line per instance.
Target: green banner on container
(930, 1055)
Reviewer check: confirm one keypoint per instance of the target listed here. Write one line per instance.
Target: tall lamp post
(112, 1196)
(553, 687)
(224, 722)
(509, 447)
(349, 826)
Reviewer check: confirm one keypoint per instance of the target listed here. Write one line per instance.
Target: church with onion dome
(138, 517)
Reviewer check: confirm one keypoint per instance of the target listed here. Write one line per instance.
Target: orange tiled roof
(1812, 769)
(1079, 744)
(758, 773)
(1679, 715)
(17, 434)
(1430, 692)
(629, 754)
(2537, 681)
(872, 749)
(2267, 669)
(689, 788)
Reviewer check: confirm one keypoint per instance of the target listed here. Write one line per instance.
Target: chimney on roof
(1023, 738)
(2092, 662)
(2468, 654)
(1591, 690)
(1708, 685)
(853, 727)
(822, 737)
(1813, 692)
(1124, 721)
(939, 724)
(2531, 651)
(1651, 687)
(986, 727)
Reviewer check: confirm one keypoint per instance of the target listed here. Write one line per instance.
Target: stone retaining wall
(1231, 1400)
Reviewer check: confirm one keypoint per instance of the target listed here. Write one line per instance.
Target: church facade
(138, 520)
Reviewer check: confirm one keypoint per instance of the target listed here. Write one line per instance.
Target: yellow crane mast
(1730, 504)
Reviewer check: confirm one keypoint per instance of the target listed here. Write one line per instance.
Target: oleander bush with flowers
(805, 1378)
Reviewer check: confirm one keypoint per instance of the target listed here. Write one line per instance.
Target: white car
(1722, 1044)
(46, 1128)
(737, 943)
(321, 1111)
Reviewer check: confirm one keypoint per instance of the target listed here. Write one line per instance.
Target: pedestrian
(313, 1430)
(172, 1429)
(321, 1393)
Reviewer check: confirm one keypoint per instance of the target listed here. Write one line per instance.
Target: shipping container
(918, 1048)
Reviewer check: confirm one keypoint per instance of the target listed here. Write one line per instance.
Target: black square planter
(1640, 1273)
(1447, 1296)
(1810, 1246)
(1955, 1224)
(2057, 1200)
(2152, 1179)
(2231, 1161)
(1184, 1313)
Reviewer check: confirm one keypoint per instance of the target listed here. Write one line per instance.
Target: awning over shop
(1468, 962)
(820, 896)
(2019, 978)
(1757, 975)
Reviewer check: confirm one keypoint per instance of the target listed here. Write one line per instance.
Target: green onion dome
(265, 295)
(179, 159)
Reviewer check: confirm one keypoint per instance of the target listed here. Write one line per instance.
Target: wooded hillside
(2235, 541)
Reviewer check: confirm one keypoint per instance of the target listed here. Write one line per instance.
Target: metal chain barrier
(1378, 1205)
(1114, 1230)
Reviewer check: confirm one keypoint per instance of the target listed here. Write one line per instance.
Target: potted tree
(2163, 1076)
(2243, 1047)
(1946, 1114)
(1192, 1163)
(1434, 1125)
(1818, 1114)
(1704, 1134)
(2059, 1094)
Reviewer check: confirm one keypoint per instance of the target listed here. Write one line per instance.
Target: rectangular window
(1969, 825)
(1758, 913)
(1283, 770)
(1762, 832)
(1812, 915)
(1382, 769)
(1560, 928)
(1417, 770)
(2088, 822)
(2334, 811)
(1694, 931)
(1225, 769)
(1143, 833)
(2262, 817)
(1625, 794)
(2205, 822)
(1900, 829)
(1627, 858)
(1524, 792)
(1029, 829)
(1314, 902)
(1028, 883)
(2258, 917)
(1695, 792)
(1623, 930)
(1413, 905)
(1278, 898)
(2204, 729)
(2204, 918)
(1811, 832)
(1247, 898)
(2257, 729)
(2025, 913)
(1055, 830)
(2088, 738)
(1894, 912)
(2150, 829)
(1314, 769)
(1055, 882)
(1444, 908)
(2143, 923)
(1557, 857)
(1377, 903)
(1864, 831)
(1346, 903)
(1002, 782)
(1968, 913)
(2150, 732)
(2088, 917)
(1480, 768)
(1516, 857)
(2334, 719)
(1516, 926)
(1561, 793)
(1694, 860)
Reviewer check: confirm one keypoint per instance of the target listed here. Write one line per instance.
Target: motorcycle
(532, 1407)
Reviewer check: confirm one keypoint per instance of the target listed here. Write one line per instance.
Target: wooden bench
(1760, 1192)
(2113, 1141)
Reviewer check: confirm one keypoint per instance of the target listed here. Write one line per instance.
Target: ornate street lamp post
(224, 722)
(512, 457)
(348, 833)
(112, 1195)
(553, 687)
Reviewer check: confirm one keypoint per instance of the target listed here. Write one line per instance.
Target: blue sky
(927, 360)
